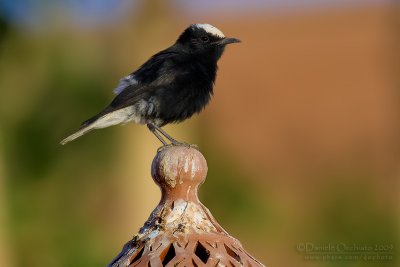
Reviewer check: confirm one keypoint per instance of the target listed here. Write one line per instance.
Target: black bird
(170, 87)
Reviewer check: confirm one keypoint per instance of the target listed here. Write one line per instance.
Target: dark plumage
(170, 87)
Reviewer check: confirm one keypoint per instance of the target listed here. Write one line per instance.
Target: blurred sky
(33, 14)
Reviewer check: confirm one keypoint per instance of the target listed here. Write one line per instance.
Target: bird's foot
(176, 143)
(194, 146)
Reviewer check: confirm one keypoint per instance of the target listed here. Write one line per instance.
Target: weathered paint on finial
(181, 231)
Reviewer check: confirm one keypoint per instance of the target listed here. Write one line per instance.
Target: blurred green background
(302, 136)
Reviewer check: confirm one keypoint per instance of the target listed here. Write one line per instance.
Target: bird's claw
(176, 143)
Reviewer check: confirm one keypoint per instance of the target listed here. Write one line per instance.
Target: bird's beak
(226, 41)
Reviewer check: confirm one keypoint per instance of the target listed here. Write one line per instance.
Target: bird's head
(204, 39)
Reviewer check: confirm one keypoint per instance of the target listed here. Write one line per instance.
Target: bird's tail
(86, 127)
(106, 118)
(78, 133)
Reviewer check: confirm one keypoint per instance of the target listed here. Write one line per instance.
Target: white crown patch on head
(210, 29)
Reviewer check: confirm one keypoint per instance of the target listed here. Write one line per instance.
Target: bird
(170, 87)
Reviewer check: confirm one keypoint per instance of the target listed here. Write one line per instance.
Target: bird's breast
(183, 90)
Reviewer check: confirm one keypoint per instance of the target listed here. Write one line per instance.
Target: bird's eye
(204, 39)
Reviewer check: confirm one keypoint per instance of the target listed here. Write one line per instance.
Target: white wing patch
(124, 83)
(210, 29)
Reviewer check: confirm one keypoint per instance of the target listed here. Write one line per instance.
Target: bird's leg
(164, 133)
(173, 141)
(152, 129)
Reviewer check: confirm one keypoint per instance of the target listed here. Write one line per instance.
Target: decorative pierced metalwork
(181, 231)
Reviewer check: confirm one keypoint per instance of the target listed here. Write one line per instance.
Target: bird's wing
(124, 83)
(131, 95)
(147, 73)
